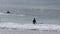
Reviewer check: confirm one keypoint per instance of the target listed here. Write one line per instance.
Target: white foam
(31, 26)
(1, 13)
(11, 14)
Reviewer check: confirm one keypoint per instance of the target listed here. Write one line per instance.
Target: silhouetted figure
(8, 12)
(34, 21)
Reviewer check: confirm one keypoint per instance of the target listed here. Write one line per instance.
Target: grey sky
(31, 3)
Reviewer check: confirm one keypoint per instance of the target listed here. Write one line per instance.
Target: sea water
(17, 23)
(23, 19)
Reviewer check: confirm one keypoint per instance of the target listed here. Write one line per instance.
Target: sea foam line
(12, 14)
(31, 26)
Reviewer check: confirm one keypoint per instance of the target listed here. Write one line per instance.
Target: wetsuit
(34, 21)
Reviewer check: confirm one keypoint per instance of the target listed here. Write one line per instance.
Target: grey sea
(21, 13)
(20, 21)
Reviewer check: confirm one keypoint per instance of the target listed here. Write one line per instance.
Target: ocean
(28, 19)
(19, 21)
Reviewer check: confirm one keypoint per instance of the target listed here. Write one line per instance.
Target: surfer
(8, 12)
(34, 21)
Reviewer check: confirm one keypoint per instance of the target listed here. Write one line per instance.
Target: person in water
(8, 11)
(34, 21)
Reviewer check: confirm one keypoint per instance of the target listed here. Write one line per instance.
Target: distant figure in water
(8, 12)
(34, 21)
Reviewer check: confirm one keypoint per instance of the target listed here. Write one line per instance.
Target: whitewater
(45, 27)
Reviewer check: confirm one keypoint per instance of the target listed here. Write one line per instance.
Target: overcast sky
(31, 3)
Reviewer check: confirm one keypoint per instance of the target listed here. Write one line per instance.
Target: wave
(11, 25)
(12, 14)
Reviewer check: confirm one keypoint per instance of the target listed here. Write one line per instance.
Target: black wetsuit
(8, 12)
(34, 21)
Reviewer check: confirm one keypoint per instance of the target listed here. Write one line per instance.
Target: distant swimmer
(34, 21)
(8, 11)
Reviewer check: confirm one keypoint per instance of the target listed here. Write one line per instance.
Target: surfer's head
(8, 11)
(34, 18)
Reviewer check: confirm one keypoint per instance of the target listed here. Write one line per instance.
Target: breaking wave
(12, 14)
(11, 25)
